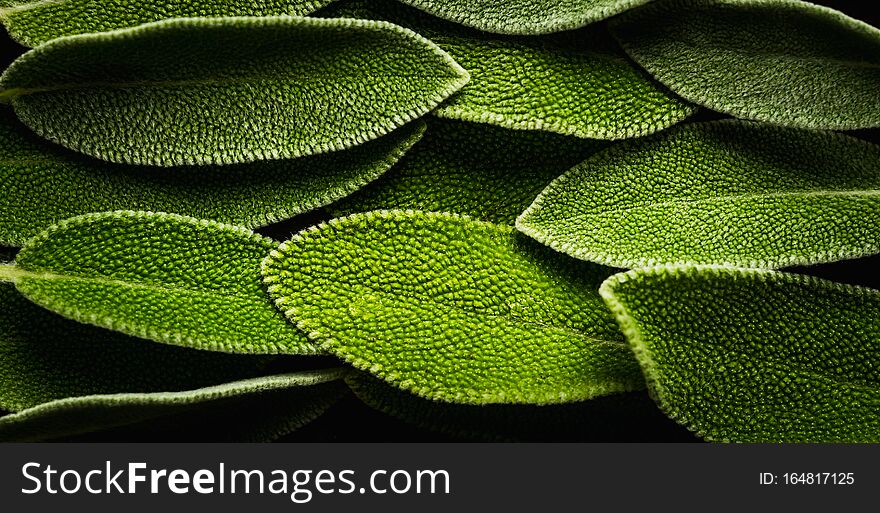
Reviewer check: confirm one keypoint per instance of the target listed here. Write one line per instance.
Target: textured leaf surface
(755, 356)
(525, 16)
(720, 192)
(36, 22)
(452, 309)
(228, 90)
(485, 172)
(44, 357)
(783, 61)
(78, 415)
(164, 277)
(580, 85)
(42, 184)
(609, 418)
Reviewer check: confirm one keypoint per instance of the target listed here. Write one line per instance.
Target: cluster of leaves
(478, 210)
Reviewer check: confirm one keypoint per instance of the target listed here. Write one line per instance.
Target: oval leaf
(298, 398)
(580, 85)
(228, 90)
(163, 277)
(783, 61)
(42, 184)
(485, 172)
(721, 192)
(755, 356)
(452, 309)
(33, 22)
(525, 16)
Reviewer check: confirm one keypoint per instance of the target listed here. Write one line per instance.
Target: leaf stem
(10, 272)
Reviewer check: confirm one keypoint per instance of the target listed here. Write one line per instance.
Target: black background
(352, 421)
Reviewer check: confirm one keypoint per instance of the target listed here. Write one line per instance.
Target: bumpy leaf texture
(452, 309)
(580, 84)
(228, 90)
(163, 277)
(291, 400)
(782, 61)
(525, 16)
(483, 171)
(755, 356)
(725, 192)
(37, 21)
(42, 184)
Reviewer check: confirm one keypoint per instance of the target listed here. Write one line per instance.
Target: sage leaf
(725, 192)
(42, 184)
(45, 357)
(783, 61)
(525, 16)
(306, 395)
(33, 22)
(452, 309)
(755, 356)
(581, 85)
(483, 171)
(162, 277)
(228, 90)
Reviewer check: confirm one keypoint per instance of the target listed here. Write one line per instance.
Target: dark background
(626, 418)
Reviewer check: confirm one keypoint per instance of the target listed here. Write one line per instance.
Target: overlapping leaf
(41, 184)
(525, 16)
(228, 90)
(33, 22)
(486, 172)
(784, 61)
(755, 356)
(164, 277)
(720, 192)
(578, 85)
(452, 309)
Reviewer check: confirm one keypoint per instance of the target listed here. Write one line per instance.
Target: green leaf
(35, 22)
(599, 419)
(452, 309)
(42, 184)
(783, 61)
(486, 172)
(729, 192)
(163, 277)
(44, 357)
(297, 399)
(228, 90)
(755, 356)
(525, 16)
(580, 85)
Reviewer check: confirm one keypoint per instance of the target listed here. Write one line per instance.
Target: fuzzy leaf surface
(42, 184)
(482, 171)
(228, 90)
(37, 21)
(452, 309)
(783, 61)
(725, 192)
(755, 356)
(163, 277)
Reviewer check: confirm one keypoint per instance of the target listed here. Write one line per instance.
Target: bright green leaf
(163, 277)
(486, 172)
(580, 85)
(755, 356)
(228, 90)
(293, 400)
(731, 192)
(38, 21)
(525, 16)
(42, 184)
(452, 309)
(783, 61)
